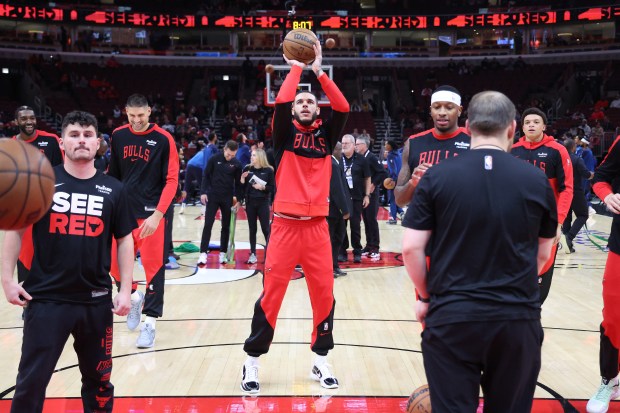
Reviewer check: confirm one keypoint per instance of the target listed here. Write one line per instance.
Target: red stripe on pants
(611, 299)
(151, 252)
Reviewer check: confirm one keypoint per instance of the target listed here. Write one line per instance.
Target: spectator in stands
(195, 169)
(251, 135)
(364, 135)
(598, 114)
(577, 116)
(167, 125)
(597, 133)
(602, 103)
(116, 112)
(243, 153)
(587, 130)
(252, 106)
(355, 133)
(419, 125)
(102, 159)
(615, 103)
(355, 107)
(248, 121)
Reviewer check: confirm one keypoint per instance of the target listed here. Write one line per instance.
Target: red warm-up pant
(610, 327)
(292, 242)
(153, 255)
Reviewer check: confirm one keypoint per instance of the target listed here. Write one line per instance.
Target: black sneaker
(569, 244)
(357, 258)
(339, 273)
(342, 258)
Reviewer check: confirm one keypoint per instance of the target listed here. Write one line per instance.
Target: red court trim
(248, 404)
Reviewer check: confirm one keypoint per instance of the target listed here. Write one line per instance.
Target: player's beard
(22, 129)
(305, 122)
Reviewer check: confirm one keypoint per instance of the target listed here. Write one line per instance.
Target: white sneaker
(564, 244)
(599, 403)
(135, 312)
(324, 376)
(146, 339)
(591, 211)
(375, 255)
(252, 259)
(249, 378)
(202, 259)
(223, 259)
(182, 211)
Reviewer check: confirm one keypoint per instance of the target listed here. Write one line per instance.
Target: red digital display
(503, 19)
(43, 14)
(600, 13)
(140, 19)
(250, 22)
(266, 22)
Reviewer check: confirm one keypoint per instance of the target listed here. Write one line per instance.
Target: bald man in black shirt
(493, 220)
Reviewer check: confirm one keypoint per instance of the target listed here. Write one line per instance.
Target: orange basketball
(420, 400)
(389, 183)
(298, 45)
(26, 184)
(269, 68)
(330, 43)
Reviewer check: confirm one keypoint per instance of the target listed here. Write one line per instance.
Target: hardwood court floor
(195, 365)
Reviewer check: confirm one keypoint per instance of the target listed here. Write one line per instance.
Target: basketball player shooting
(299, 232)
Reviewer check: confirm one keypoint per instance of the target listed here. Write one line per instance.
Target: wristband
(424, 300)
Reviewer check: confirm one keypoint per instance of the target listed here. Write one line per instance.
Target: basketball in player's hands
(299, 45)
(26, 184)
